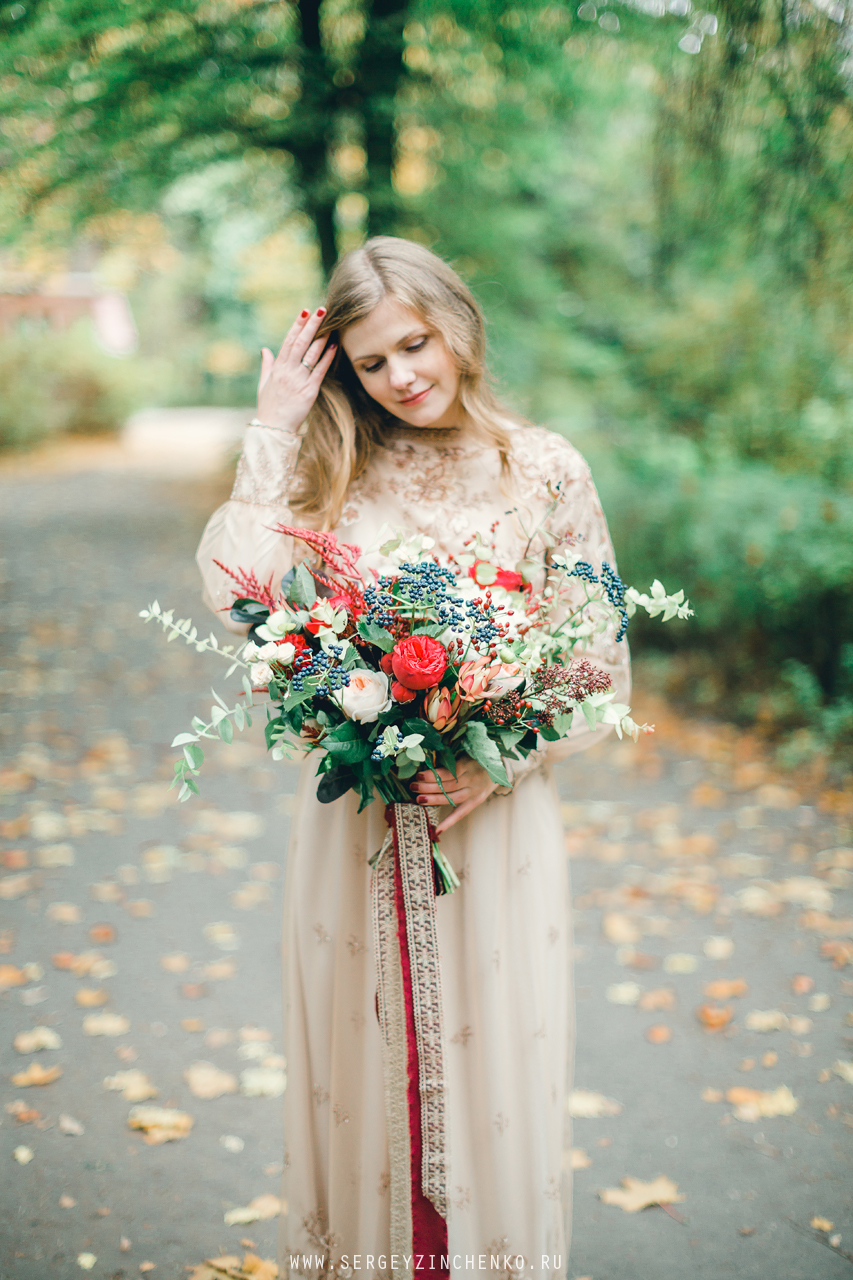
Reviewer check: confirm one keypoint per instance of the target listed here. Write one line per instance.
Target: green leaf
(302, 589)
(434, 629)
(226, 730)
(374, 634)
(482, 749)
(297, 698)
(182, 738)
(239, 717)
(194, 755)
(406, 768)
(348, 752)
(430, 735)
(589, 714)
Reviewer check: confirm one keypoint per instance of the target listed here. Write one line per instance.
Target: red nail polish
(305, 315)
(321, 311)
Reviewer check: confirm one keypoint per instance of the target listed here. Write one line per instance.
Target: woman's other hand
(471, 786)
(290, 381)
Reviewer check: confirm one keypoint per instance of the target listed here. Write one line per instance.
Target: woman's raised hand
(290, 381)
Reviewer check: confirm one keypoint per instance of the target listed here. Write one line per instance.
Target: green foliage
(60, 383)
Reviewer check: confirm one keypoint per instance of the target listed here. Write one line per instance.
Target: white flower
(273, 652)
(250, 651)
(260, 674)
(279, 624)
(366, 696)
(330, 619)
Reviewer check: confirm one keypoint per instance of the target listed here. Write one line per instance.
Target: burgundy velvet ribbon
(429, 1229)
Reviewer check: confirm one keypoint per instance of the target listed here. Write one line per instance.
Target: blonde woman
(377, 412)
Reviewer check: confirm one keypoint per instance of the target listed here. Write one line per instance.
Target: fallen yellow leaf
(36, 1074)
(821, 1224)
(160, 1124)
(634, 1194)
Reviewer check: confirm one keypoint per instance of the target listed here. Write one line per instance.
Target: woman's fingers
(323, 363)
(314, 352)
(295, 329)
(456, 814)
(306, 335)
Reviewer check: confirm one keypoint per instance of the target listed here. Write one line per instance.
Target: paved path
(684, 839)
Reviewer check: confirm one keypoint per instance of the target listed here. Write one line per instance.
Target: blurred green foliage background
(652, 202)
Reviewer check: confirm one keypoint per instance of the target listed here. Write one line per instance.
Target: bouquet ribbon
(410, 1019)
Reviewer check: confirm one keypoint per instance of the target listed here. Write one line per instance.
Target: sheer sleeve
(241, 533)
(581, 521)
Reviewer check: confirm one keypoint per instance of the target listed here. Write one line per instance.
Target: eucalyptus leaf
(482, 749)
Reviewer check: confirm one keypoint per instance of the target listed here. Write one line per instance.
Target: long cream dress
(505, 941)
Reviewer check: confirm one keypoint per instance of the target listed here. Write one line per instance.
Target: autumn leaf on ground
(160, 1124)
(208, 1081)
(261, 1208)
(105, 1024)
(623, 992)
(725, 988)
(587, 1105)
(63, 913)
(620, 928)
(36, 1074)
(11, 976)
(175, 962)
(635, 1194)
(262, 1082)
(714, 1017)
(71, 1127)
(753, 1104)
(91, 997)
(657, 998)
(717, 947)
(826, 925)
(802, 984)
(23, 1155)
(660, 1033)
(766, 1020)
(710, 1094)
(134, 1085)
(821, 1224)
(840, 953)
(38, 1038)
(844, 1069)
(579, 1159)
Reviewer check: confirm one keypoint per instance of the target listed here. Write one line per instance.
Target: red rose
(401, 693)
(419, 662)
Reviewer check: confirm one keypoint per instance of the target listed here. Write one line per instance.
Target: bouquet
(390, 674)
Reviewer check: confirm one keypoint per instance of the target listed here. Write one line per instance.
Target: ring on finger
(309, 367)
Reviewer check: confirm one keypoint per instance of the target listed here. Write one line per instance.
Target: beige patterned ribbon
(409, 837)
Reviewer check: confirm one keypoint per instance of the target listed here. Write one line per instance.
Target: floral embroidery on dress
(462, 1036)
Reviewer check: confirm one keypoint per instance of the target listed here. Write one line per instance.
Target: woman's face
(404, 366)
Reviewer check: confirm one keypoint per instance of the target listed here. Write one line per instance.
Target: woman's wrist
(274, 426)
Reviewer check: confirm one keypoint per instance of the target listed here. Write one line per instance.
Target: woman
(401, 430)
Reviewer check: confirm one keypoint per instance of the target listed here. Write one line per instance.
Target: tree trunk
(309, 142)
(380, 71)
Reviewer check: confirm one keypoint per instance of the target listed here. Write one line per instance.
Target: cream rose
(366, 696)
(260, 674)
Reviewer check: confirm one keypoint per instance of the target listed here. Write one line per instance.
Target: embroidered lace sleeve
(240, 534)
(582, 518)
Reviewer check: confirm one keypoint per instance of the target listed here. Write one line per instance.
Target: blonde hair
(346, 424)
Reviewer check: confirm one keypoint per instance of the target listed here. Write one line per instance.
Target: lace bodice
(445, 484)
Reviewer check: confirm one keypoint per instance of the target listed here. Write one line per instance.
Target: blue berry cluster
(322, 665)
(614, 589)
(425, 583)
(481, 623)
(379, 604)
